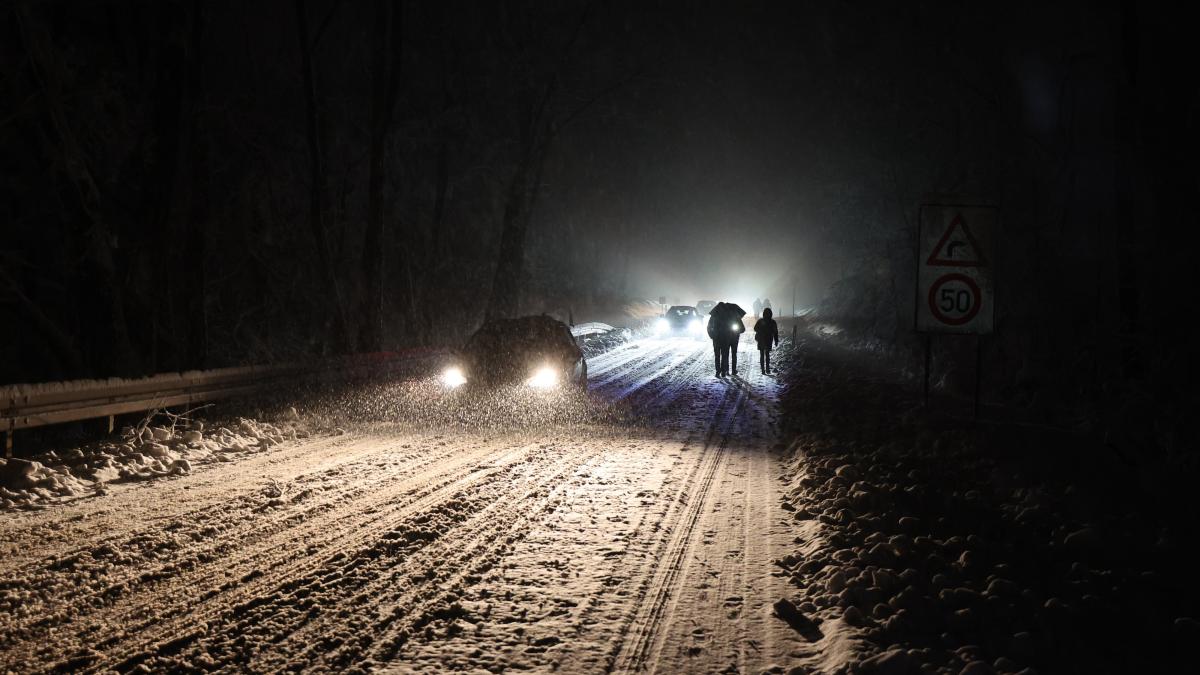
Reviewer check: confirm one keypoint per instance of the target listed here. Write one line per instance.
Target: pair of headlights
(542, 378)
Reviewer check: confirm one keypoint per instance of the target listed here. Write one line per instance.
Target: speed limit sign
(956, 269)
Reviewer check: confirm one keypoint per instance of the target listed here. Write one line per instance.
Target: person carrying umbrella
(725, 327)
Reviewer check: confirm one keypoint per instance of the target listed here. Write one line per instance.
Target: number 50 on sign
(956, 269)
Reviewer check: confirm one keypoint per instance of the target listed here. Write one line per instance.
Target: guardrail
(25, 406)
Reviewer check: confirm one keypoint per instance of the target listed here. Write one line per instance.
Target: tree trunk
(194, 278)
(317, 207)
(49, 73)
(385, 76)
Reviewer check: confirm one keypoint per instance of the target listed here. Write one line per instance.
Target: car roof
(675, 307)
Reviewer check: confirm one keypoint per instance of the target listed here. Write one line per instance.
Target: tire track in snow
(365, 520)
(246, 511)
(153, 613)
(435, 572)
(641, 640)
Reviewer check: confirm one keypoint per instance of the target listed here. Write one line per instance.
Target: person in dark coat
(725, 327)
(766, 334)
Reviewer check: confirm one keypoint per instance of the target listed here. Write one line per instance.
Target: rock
(1003, 588)
(1004, 665)
(902, 543)
(19, 474)
(192, 436)
(881, 611)
(883, 579)
(812, 566)
(959, 597)
(836, 582)
(892, 662)
(786, 610)
(161, 433)
(1086, 539)
(854, 616)
(882, 555)
(847, 472)
(977, 668)
(909, 524)
(898, 625)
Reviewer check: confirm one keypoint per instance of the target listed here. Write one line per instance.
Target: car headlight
(453, 377)
(544, 378)
(661, 326)
(696, 326)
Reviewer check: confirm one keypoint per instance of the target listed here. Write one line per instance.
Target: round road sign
(954, 299)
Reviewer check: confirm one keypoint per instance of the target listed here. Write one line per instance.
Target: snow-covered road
(595, 547)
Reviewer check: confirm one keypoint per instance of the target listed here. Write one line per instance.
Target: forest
(190, 184)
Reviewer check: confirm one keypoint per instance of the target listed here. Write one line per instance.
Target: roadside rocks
(940, 569)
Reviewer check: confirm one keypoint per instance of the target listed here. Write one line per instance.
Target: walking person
(725, 327)
(766, 334)
(736, 328)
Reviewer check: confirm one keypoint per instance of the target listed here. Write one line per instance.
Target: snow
(140, 454)
(590, 328)
(946, 551)
(668, 521)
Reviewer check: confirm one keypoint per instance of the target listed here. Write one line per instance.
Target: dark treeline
(1080, 122)
(189, 184)
(192, 184)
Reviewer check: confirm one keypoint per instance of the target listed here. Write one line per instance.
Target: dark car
(705, 306)
(680, 320)
(536, 351)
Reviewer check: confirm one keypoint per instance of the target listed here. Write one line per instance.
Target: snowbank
(591, 328)
(948, 555)
(142, 453)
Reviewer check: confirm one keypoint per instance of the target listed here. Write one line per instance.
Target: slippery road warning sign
(955, 276)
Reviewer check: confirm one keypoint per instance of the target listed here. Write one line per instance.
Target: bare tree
(317, 176)
(386, 51)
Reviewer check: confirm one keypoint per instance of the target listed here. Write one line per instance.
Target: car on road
(680, 320)
(705, 306)
(535, 351)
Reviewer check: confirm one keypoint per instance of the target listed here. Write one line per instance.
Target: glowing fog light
(661, 326)
(544, 378)
(453, 377)
(696, 326)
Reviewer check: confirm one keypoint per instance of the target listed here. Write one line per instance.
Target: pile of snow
(141, 453)
(598, 338)
(591, 328)
(946, 558)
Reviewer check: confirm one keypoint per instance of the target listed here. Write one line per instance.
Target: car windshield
(681, 311)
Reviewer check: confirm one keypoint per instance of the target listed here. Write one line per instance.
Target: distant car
(705, 306)
(535, 351)
(680, 320)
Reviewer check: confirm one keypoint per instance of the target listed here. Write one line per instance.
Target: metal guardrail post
(8, 443)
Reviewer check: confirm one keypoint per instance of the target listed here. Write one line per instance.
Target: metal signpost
(956, 290)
